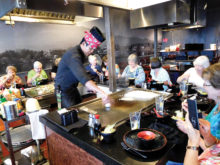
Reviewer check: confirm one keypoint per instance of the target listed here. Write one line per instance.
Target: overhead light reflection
(143, 3)
(35, 20)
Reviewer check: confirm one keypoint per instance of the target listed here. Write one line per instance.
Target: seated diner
(36, 75)
(10, 78)
(134, 71)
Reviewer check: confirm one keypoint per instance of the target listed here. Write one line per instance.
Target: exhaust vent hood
(49, 11)
(171, 15)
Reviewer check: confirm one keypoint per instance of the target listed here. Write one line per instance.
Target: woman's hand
(185, 105)
(205, 130)
(9, 77)
(166, 83)
(182, 126)
(193, 134)
(204, 127)
(186, 77)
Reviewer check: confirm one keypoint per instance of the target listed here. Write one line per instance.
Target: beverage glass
(101, 78)
(159, 101)
(184, 88)
(135, 120)
(144, 85)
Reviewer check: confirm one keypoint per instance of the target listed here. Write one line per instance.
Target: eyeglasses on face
(207, 84)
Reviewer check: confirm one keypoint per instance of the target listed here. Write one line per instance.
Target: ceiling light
(143, 3)
(35, 20)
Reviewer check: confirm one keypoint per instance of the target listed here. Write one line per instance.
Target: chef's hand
(106, 98)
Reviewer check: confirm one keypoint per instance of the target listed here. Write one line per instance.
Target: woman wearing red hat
(71, 70)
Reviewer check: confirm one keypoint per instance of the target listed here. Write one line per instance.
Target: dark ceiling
(212, 4)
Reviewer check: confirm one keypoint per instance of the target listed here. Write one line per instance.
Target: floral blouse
(138, 74)
(210, 156)
(8, 83)
(214, 119)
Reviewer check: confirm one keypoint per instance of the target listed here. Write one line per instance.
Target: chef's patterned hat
(94, 38)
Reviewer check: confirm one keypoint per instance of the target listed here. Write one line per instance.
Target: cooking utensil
(133, 151)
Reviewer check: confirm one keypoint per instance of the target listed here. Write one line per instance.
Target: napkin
(37, 128)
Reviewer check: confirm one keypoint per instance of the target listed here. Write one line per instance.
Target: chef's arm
(92, 86)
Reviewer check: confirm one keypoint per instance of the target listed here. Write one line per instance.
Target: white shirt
(161, 76)
(194, 78)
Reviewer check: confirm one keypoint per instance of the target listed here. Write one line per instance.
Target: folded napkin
(37, 128)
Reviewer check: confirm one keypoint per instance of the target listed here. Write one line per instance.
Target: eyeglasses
(207, 84)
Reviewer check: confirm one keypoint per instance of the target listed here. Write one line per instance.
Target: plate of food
(145, 140)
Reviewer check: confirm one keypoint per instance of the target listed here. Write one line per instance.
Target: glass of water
(159, 101)
(135, 120)
(184, 88)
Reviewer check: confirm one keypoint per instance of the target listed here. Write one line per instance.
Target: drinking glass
(184, 88)
(135, 120)
(159, 101)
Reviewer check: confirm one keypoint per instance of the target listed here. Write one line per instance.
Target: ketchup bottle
(97, 124)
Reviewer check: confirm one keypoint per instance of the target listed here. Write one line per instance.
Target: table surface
(113, 153)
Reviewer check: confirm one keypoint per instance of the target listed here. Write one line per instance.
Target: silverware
(132, 150)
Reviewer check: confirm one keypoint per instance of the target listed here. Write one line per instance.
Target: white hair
(91, 58)
(202, 61)
(37, 63)
(132, 57)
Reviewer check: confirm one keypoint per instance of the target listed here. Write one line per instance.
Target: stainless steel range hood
(49, 11)
(170, 15)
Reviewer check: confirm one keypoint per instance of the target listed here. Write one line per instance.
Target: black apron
(70, 97)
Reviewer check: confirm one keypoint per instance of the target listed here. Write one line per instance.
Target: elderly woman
(105, 67)
(37, 74)
(158, 73)
(209, 128)
(93, 68)
(10, 78)
(134, 71)
(54, 68)
(194, 75)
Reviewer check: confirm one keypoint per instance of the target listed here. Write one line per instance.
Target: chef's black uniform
(70, 72)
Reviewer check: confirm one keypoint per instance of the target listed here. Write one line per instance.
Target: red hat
(94, 38)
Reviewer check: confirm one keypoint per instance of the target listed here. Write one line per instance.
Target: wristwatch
(193, 148)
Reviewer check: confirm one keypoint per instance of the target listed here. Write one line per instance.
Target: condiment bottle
(58, 95)
(2, 111)
(97, 124)
(91, 120)
(22, 91)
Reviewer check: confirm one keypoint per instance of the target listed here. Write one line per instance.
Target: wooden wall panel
(63, 152)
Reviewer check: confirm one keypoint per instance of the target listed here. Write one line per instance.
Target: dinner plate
(131, 140)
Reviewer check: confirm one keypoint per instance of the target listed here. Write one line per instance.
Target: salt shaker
(91, 120)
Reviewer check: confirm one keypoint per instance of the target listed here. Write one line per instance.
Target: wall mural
(23, 59)
(25, 43)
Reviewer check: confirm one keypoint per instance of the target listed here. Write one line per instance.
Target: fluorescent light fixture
(80, 19)
(136, 4)
(35, 20)
(126, 4)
